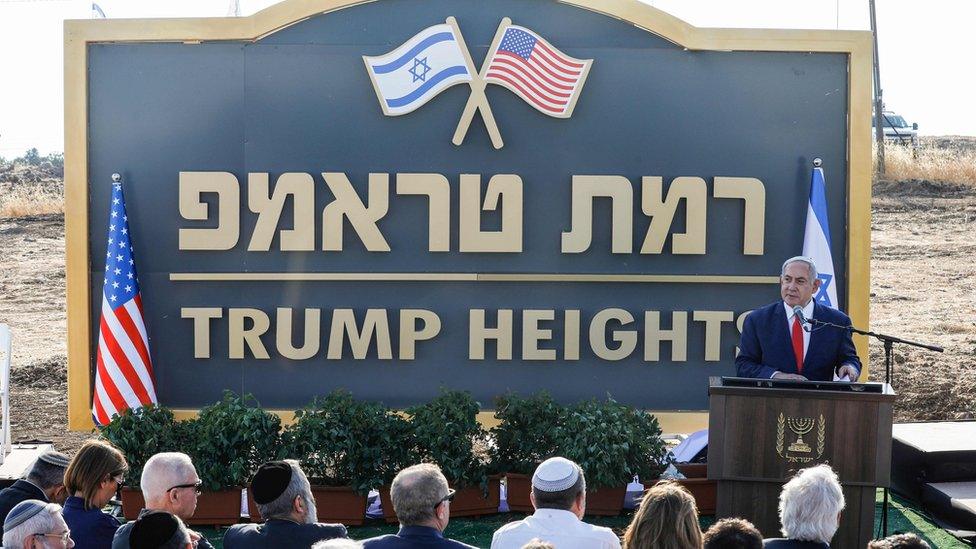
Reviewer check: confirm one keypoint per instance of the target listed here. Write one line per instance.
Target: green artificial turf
(902, 517)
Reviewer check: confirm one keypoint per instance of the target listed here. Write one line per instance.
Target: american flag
(124, 377)
(543, 76)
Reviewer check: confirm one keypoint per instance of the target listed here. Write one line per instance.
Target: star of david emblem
(422, 66)
(823, 297)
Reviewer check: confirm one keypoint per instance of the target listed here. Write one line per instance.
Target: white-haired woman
(809, 510)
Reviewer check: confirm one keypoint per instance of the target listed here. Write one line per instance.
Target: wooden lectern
(761, 432)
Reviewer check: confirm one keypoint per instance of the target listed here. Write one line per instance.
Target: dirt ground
(923, 287)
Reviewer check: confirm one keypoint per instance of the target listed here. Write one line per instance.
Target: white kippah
(555, 475)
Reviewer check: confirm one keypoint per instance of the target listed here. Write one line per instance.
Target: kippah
(21, 512)
(270, 481)
(153, 529)
(555, 475)
(54, 458)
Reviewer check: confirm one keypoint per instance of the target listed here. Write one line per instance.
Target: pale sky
(924, 52)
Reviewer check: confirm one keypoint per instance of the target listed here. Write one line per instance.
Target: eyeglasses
(448, 497)
(196, 486)
(65, 536)
(119, 479)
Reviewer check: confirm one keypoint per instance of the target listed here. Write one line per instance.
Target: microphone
(798, 311)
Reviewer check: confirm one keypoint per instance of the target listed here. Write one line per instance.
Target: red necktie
(798, 344)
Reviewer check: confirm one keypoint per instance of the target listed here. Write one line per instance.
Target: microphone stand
(889, 343)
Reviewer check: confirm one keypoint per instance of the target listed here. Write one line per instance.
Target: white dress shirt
(807, 313)
(560, 528)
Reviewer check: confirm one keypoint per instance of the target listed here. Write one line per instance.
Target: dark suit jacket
(90, 528)
(766, 345)
(16, 493)
(783, 543)
(410, 537)
(280, 533)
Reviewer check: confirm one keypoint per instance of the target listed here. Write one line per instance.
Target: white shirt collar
(807, 310)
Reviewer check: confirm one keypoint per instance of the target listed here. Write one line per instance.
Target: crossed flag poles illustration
(437, 58)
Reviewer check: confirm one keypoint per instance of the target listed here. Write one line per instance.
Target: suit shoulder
(334, 530)
(834, 315)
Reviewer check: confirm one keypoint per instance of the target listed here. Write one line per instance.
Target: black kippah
(270, 481)
(152, 530)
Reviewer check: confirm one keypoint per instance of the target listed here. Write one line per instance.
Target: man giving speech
(776, 342)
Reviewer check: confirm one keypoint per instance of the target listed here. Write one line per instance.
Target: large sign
(395, 197)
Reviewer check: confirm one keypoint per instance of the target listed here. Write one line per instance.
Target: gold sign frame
(79, 34)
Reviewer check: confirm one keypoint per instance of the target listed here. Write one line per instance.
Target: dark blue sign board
(652, 117)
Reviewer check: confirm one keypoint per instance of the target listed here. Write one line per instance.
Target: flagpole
(477, 100)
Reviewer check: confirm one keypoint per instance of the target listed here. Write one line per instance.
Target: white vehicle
(897, 130)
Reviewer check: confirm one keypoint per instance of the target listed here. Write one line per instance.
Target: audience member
(158, 530)
(732, 533)
(44, 482)
(666, 519)
(33, 521)
(92, 478)
(559, 497)
(284, 498)
(169, 483)
(422, 503)
(899, 541)
(809, 509)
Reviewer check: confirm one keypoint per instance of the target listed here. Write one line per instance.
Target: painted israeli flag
(421, 68)
(816, 240)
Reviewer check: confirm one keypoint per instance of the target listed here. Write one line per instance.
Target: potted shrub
(448, 433)
(139, 434)
(342, 445)
(611, 442)
(528, 433)
(229, 440)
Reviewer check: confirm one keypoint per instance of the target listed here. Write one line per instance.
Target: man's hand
(848, 371)
(783, 375)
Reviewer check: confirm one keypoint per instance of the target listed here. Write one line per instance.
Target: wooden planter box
(603, 502)
(701, 488)
(607, 502)
(518, 487)
(471, 501)
(253, 513)
(132, 502)
(221, 508)
(339, 504)
(468, 502)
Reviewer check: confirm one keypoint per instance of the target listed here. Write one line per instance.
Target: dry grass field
(923, 286)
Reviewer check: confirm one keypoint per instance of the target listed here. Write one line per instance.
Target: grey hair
(416, 491)
(810, 503)
(46, 475)
(41, 523)
(298, 486)
(338, 543)
(801, 259)
(163, 471)
(564, 499)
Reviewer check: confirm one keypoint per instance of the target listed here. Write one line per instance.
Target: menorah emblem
(799, 451)
(800, 426)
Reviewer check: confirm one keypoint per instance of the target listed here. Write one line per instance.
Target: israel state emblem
(800, 451)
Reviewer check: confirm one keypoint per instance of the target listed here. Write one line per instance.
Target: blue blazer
(766, 345)
(90, 528)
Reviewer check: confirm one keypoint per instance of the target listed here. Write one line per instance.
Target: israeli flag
(816, 240)
(421, 68)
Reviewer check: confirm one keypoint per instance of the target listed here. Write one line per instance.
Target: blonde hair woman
(92, 478)
(667, 519)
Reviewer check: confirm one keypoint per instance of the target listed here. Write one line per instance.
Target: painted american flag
(543, 76)
(124, 376)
